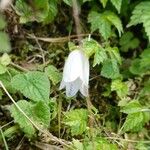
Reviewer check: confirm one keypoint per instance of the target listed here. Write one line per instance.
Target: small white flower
(4, 4)
(76, 74)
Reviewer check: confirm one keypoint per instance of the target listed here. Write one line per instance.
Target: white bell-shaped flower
(4, 4)
(76, 74)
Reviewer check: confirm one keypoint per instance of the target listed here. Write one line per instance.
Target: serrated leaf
(76, 120)
(110, 69)
(34, 85)
(132, 107)
(103, 22)
(141, 14)
(99, 22)
(39, 113)
(134, 122)
(100, 56)
(120, 87)
(104, 2)
(54, 75)
(4, 43)
(89, 46)
(117, 4)
(114, 20)
(114, 54)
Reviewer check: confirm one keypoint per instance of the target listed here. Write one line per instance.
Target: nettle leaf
(128, 41)
(132, 107)
(120, 87)
(114, 20)
(103, 22)
(110, 69)
(39, 113)
(99, 22)
(134, 122)
(34, 85)
(117, 4)
(100, 56)
(141, 14)
(76, 120)
(104, 2)
(114, 54)
(89, 46)
(136, 118)
(53, 74)
(5, 43)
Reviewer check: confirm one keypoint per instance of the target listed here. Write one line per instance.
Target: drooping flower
(76, 74)
(4, 4)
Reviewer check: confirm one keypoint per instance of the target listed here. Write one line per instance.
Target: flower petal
(73, 87)
(85, 70)
(73, 66)
(62, 85)
(84, 90)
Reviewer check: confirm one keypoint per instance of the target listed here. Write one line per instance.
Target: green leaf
(39, 113)
(77, 145)
(128, 41)
(89, 46)
(134, 122)
(52, 11)
(114, 54)
(76, 120)
(5, 59)
(114, 20)
(120, 87)
(99, 144)
(136, 68)
(3, 69)
(132, 107)
(34, 85)
(44, 11)
(54, 75)
(136, 118)
(141, 14)
(6, 80)
(117, 4)
(104, 2)
(110, 69)
(100, 56)
(5, 44)
(103, 22)
(98, 21)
